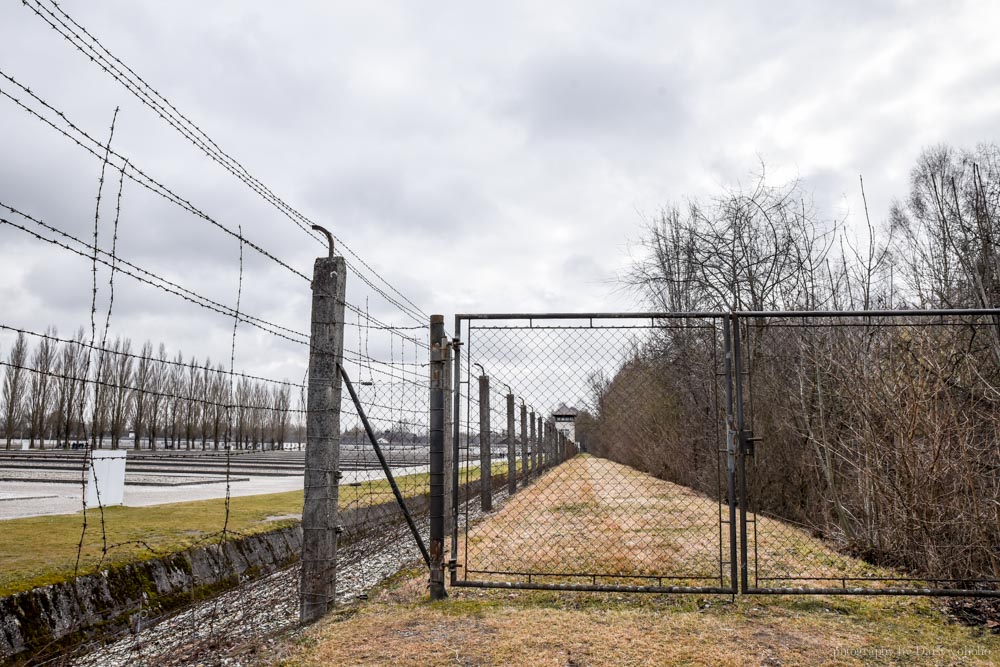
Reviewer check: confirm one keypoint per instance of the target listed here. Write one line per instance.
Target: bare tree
(743, 250)
(207, 399)
(122, 391)
(281, 400)
(219, 391)
(40, 387)
(241, 416)
(158, 381)
(175, 387)
(14, 388)
(141, 398)
(67, 385)
(102, 395)
(192, 405)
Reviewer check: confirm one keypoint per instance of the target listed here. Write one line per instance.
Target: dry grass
(526, 628)
(592, 515)
(400, 627)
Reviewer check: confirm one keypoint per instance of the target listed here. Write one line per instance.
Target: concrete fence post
(550, 427)
(533, 458)
(525, 463)
(543, 442)
(546, 446)
(322, 459)
(511, 448)
(485, 454)
(438, 354)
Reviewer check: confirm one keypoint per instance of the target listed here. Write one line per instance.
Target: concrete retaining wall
(40, 621)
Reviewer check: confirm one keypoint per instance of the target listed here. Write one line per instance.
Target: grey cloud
(594, 96)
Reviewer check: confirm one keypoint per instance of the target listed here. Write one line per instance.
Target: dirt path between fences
(642, 524)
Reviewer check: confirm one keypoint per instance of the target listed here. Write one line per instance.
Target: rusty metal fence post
(322, 459)
(485, 453)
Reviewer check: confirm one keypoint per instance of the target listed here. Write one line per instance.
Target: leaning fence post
(437, 376)
(322, 460)
(511, 449)
(524, 442)
(485, 465)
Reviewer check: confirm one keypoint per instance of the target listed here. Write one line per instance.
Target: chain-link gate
(876, 463)
(597, 443)
(753, 452)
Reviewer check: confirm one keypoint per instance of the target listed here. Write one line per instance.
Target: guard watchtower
(565, 420)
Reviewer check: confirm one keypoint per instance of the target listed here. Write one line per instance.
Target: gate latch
(749, 442)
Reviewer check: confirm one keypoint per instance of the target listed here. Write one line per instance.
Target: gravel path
(237, 628)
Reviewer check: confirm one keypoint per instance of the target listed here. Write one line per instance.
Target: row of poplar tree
(65, 391)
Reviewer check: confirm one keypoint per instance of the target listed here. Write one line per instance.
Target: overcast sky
(480, 156)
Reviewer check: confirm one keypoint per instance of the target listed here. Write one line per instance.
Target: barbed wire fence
(93, 385)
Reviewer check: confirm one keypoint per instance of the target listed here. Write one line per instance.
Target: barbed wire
(132, 355)
(397, 397)
(95, 51)
(151, 184)
(167, 285)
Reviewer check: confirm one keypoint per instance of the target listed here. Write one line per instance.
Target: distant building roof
(564, 411)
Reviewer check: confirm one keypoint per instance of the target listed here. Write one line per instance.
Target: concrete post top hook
(329, 237)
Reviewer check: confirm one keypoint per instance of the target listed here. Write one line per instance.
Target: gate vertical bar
(438, 349)
(322, 459)
(741, 453)
(447, 381)
(485, 455)
(730, 451)
(456, 346)
(524, 442)
(511, 449)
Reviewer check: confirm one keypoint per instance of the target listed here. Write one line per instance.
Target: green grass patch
(36, 551)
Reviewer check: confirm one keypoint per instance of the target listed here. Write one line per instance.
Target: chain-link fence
(619, 477)
(878, 464)
(759, 452)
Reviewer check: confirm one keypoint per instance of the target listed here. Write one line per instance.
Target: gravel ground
(238, 628)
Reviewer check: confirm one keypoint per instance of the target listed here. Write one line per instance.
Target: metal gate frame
(747, 441)
(740, 443)
(722, 320)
